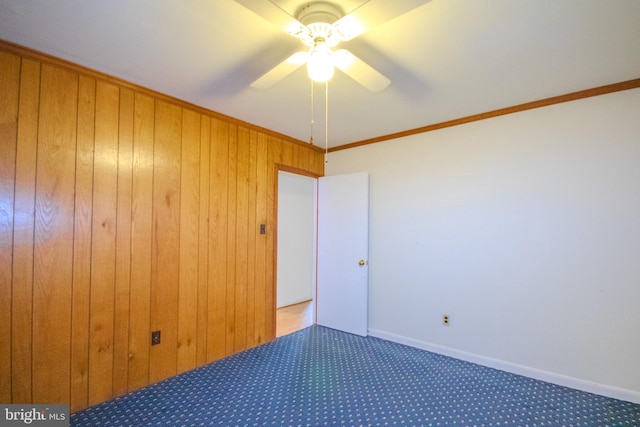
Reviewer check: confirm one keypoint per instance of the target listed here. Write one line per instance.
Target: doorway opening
(296, 251)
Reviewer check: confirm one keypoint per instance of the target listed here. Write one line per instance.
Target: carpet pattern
(322, 377)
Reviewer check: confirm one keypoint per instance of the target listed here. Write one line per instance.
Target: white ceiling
(446, 59)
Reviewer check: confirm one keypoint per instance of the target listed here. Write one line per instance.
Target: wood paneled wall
(123, 212)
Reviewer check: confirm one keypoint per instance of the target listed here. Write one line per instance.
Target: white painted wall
(525, 229)
(296, 238)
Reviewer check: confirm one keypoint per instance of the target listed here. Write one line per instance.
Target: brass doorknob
(361, 263)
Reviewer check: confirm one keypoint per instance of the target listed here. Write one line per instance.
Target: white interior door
(343, 248)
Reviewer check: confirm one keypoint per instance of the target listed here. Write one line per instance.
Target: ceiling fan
(321, 26)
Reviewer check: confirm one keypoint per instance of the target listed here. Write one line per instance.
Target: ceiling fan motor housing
(319, 17)
(319, 12)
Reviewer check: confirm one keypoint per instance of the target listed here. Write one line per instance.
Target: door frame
(297, 171)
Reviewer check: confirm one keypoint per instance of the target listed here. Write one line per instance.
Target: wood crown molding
(573, 96)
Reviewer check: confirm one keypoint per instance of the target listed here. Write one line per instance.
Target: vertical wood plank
(303, 157)
(123, 245)
(286, 150)
(274, 156)
(9, 88)
(141, 230)
(253, 230)
(242, 250)
(232, 240)
(165, 239)
(318, 163)
(307, 163)
(53, 240)
(261, 241)
(103, 243)
(300, 156)
(203, 242)
(189, 224)
(295, 155)
(82, 244)
(21, 301)
(219, 189)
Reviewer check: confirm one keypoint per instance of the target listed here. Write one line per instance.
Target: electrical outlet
(155, 337)
(445, 319)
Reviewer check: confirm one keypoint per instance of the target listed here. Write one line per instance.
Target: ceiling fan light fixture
(320, 64)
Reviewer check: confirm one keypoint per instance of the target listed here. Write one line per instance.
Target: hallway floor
(294, 317)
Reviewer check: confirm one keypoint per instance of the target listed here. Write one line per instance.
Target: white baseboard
(550, 377)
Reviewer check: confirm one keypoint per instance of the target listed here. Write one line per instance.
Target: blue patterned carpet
(322, 377)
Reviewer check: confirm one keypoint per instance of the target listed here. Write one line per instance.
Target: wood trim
(28, 53)
(297, 171)
(9, 110)
(573, 96)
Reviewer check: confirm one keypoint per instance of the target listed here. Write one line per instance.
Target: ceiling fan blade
(360, 71)
(371, 14)
(281, 71)
(276, 16)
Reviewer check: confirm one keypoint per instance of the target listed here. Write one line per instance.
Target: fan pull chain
(326, 122)
(312, 121)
